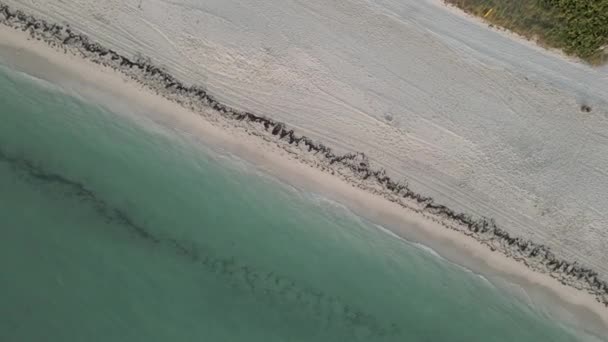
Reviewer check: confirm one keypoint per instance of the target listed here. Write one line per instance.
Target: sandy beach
(294, 167)
(482, 122)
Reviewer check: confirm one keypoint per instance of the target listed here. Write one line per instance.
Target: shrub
(578, 27)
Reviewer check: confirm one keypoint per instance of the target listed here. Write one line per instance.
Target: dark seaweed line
(267, 284)
(143, 71)
(35, 172)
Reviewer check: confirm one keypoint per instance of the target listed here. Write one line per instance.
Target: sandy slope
(481, 122)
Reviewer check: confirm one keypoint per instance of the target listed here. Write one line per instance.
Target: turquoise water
(112, 231)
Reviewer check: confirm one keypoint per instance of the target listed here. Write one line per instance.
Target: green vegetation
(578, 27)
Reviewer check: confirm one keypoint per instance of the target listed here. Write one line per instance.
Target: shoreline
(349, 175)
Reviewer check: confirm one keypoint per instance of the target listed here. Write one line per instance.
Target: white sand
(76, 74)
(481, 122)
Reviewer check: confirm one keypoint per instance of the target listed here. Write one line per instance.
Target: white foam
(11, 72)
(428, 250)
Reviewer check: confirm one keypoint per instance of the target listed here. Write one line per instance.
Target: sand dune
(482, 122)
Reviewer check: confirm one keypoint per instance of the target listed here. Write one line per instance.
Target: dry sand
(78, 75)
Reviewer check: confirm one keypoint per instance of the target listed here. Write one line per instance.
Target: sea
(114, 230)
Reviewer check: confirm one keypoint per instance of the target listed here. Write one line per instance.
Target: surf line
(268, 286)
(354, 166)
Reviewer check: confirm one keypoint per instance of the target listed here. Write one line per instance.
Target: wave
(429, 251)
(33, 79)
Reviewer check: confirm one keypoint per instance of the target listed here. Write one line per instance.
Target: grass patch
(577, 27)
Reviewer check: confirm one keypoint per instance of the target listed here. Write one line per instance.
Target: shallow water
(115, 231)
